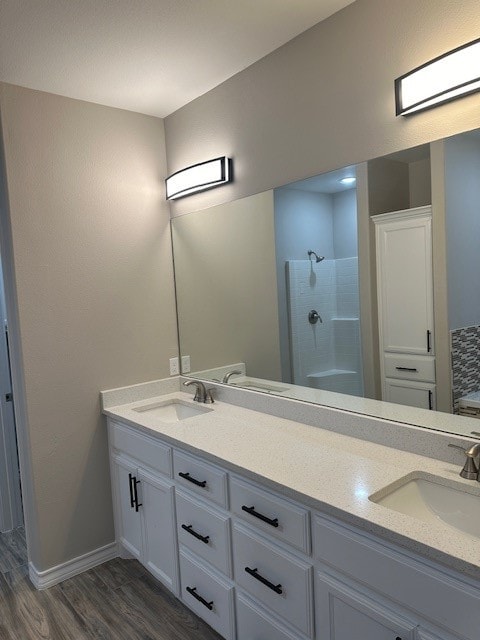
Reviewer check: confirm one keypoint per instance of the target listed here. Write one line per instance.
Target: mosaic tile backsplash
(465, 357)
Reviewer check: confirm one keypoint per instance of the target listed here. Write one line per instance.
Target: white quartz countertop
(332, 473)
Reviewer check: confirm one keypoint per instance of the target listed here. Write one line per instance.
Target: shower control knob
(314, 317)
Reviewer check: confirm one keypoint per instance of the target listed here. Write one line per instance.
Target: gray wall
(227, 288)
(420, 183)
(325, 99)
(92, 265)
(462, 211)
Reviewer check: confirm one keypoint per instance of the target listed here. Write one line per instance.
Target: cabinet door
(405, 282)
(342, 613)
(128, 518)
(156, 496)
(412, 394)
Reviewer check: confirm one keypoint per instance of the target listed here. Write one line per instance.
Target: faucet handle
(209, 396)
(470, 469)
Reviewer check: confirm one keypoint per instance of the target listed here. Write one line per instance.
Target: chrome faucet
(201, 393)
(228, 375)
(470, 468)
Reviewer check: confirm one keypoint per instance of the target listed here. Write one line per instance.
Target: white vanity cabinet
(363, 583)
(256, 565)
(144, 506)
(344, 613)
(405, 306)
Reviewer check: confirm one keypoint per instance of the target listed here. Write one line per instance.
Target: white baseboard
(50, 577)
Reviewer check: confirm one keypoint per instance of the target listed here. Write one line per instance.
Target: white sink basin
(172, 410)
(431, 501)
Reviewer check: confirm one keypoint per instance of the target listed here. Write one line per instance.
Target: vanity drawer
(437, 597)
(208, 481)
(408, 367)
(207, 595)
(279, 580)
(147, 450)
(255, 624)
(204, 531)
(273, 515)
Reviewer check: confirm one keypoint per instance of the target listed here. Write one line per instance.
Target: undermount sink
(427, 499)
(248, 383)
(172, 410)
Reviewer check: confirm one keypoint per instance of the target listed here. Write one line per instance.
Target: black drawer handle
(188, 528)
(429, 338)
(406, 369)
(135, 494)
(274, 587)
(188, 477)
(134, 503)
(193, 592)
(132, 500)
(260, 516)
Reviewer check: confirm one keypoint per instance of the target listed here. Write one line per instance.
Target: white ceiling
(150, 56)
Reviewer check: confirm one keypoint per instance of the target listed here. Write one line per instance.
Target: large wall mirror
(358, 289)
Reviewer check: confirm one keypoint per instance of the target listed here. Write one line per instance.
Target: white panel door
(410, 393)
(129, 518)
(343, 613)
(405, 281)
(156, 498)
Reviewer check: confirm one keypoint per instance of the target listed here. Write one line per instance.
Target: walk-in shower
(318, 288)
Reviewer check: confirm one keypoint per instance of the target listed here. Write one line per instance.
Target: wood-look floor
(118, 600)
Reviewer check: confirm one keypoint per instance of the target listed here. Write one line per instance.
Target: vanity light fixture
(452, 75)
(199, 177)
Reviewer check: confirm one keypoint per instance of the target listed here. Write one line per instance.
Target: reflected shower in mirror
(318, 301)
(345, 289)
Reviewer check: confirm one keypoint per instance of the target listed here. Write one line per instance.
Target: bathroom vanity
(270, 529)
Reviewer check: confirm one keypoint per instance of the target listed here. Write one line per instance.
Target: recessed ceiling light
(348, 180)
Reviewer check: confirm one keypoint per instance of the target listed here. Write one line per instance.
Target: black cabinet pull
(429, 336)
(130, 480)
(430, 400)
(274, 587)
(251, 510)
(188, 477)
(193, 592)
(135, 494)
(188, 528)
(406, 369)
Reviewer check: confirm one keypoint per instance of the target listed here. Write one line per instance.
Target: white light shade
(445, 78)
(348, 180)
(198, 177)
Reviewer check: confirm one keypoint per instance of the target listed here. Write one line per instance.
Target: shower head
(317, 258)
